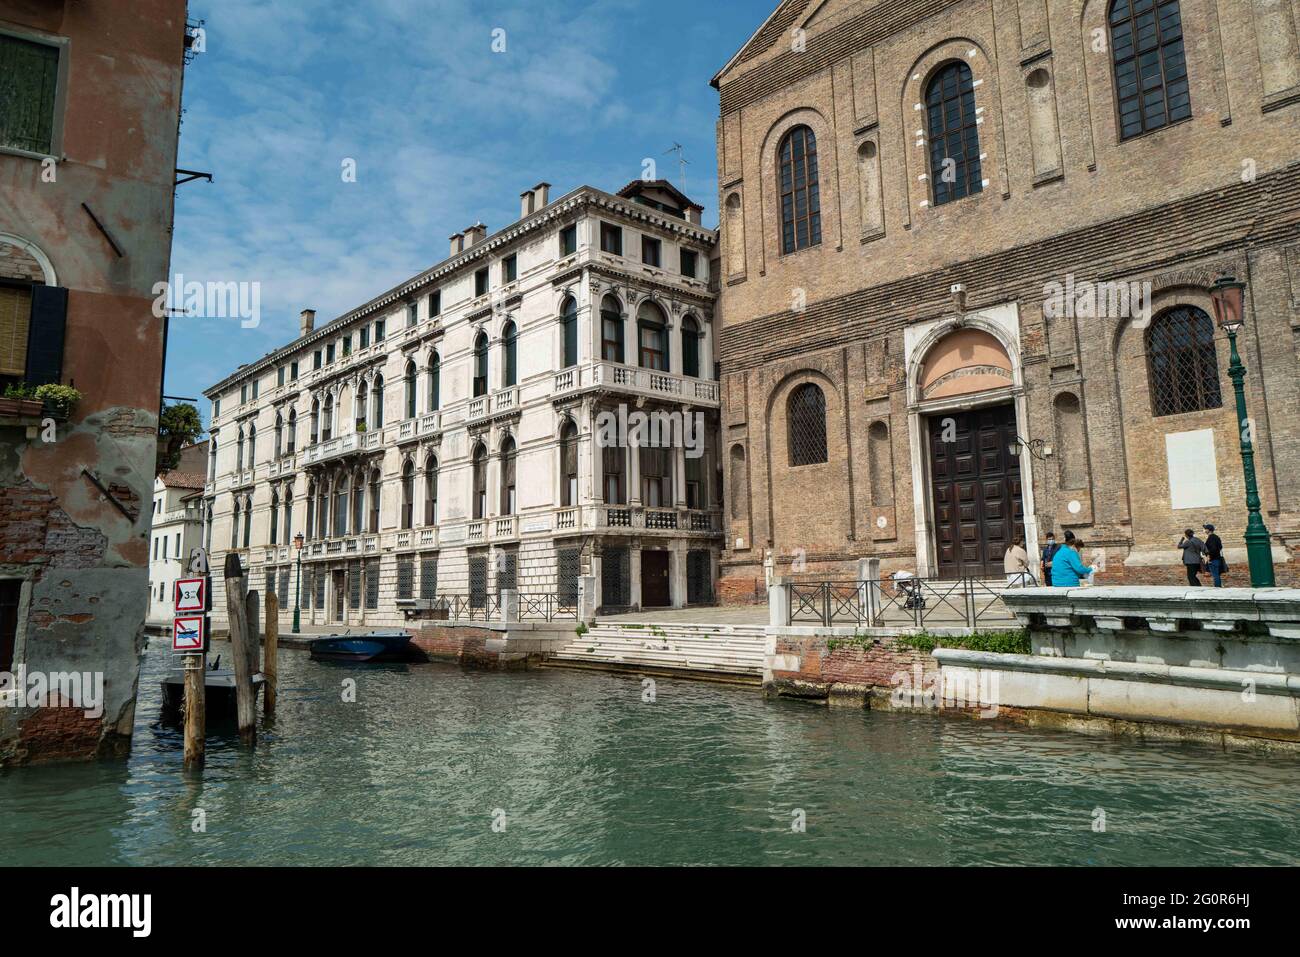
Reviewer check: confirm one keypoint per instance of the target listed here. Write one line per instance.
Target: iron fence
(532, 607)
(916, 602)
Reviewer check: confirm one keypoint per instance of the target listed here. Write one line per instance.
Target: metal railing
(915, 602)
(541, 606)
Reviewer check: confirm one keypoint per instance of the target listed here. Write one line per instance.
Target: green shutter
(29, 75)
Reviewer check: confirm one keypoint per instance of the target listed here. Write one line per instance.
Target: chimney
(542, 194)
(527, 204)
(475, 234)
(306, 321)
(457, 243)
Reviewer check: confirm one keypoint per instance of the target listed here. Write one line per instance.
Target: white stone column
(677, 574)
(634, 574)
(634, 476)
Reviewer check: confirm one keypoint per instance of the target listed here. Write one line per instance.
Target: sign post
(192, 599)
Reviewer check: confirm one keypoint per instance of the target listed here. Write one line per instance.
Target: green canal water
(419, 767)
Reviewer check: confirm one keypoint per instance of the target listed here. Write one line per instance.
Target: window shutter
(46, 335)
(15, 317)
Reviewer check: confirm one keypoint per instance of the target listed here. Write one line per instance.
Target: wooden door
(654, 580)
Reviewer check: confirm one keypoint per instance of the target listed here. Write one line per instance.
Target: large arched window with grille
(508, 482)
(481, 364)
(798, 190)
(358, 503)
(1146, 45)
(569, 329)
(953, 134)
(1182, 362)
(341, 492)
(510, 353)
(807, 417)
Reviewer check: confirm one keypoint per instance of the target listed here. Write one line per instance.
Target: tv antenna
(682, 161)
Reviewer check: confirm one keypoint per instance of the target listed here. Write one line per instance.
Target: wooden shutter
(46, 335)
(31, 71)
(15, 318)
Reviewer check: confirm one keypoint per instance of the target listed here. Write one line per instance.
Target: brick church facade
(966, 254)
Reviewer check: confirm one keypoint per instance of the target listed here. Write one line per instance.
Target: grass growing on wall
(1014, 642)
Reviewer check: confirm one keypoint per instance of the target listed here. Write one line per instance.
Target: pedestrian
(1214, 554)
(1016, 564)
(1068, 567)
(1045, 559)
(1193, 554)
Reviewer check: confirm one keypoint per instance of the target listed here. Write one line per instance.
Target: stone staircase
(722, 652)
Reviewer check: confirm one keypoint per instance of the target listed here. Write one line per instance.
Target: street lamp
(1227, 295)
(297, 598)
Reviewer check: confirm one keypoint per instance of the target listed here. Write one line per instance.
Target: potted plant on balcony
(58, 401)
(20, 400)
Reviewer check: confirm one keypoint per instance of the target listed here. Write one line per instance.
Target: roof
(177, 479)
(777, 23)
(637, 186)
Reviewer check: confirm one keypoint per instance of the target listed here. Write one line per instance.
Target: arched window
(611, 330)
(807, 417)
(1183, 362)
(327, 419)
(409, 388)
(248, 519)
(739, 482)
(652, 334)
(360, 404)
(315, 421)
(431, 491)
(953, 133)
(234, 525)
(279, 435)
(480, 481)
(569, 328)
(481, 364)
(212, 459)
(377, 403)
(435, 382)
(239, 451)
(508, 501)
(341, 489)
(275, 517)
(656, 476)
(510, 353)
(358, 503)
(322, 511)
(1146, 43)
(569, 465)
(374, 501)
(292, 443)
(613, 481)
(801, 210)
(408, 494)
(207, 529)
(310, 528)
(690, 347)
(288, 516)
(252, 446)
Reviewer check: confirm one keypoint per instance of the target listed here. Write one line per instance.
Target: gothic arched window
(1183, 362)
(807, 416)
(1146, 44)
(954, 139)
(797, 188)
(510, 353)
(481, 364)
(569, 327)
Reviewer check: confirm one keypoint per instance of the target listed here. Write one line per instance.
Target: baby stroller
(910, 587)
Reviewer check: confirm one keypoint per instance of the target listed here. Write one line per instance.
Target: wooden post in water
(196, 714)
(237, 614)
(272, 666)
(254, 646)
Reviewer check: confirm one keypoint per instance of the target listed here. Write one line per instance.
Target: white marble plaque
(1193, 471)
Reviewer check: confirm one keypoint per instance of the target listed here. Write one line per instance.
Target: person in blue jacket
(1067, 567)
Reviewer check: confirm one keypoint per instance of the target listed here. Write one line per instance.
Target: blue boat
(383, 645)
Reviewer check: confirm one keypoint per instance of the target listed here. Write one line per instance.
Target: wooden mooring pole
(240, 635)
(272, 665)
(196, 713)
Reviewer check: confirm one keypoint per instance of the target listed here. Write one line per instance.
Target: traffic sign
(187, 633)
(190, 594)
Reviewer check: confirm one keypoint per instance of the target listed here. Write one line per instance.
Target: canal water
(576, 768)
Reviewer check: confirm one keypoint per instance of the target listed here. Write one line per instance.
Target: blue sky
(444, 132)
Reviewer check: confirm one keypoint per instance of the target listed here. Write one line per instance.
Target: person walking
(1045, 559)
(1193, 554)
(1016, 564)
(1214, 555)
(1068, 567)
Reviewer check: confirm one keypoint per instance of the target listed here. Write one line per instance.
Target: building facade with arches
(445, 440)
(966, 254)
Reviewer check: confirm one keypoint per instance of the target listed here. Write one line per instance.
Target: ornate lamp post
(297, 597)
(1227, 295)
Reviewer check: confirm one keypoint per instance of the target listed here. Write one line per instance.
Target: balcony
(410, 429)
(342, 445)
(503, 528)
(501, 402)
(637, 381)
(638, 518)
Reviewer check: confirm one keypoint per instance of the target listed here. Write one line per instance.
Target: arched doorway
(974, 492)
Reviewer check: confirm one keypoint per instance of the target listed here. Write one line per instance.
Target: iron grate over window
(372, 585)
(1183, 362)
(478, 581)
(1146, 41)
(320, 588)
(507, 571)
(568, 568)
(699, 577)
(953, 133)
(406, 577)
(429, 576)
(615, 578)
(807, 415)
(283, 585)
(270, 584)
(354, 585)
